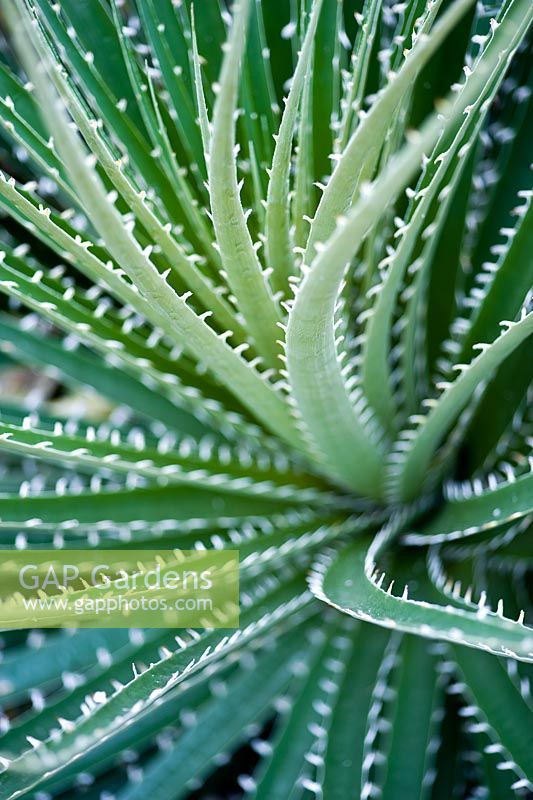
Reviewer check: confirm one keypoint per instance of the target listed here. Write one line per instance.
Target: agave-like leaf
(265, 285)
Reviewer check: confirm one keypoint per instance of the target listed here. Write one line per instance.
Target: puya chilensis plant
(272, 265)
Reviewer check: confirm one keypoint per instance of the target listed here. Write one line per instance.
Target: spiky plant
(265, 276)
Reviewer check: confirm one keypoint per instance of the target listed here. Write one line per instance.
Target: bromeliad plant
(270, 267)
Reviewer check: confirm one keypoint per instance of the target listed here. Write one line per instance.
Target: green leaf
(147, 504)
(171, 50)
(62, 652)
(285, 772)
(220, 724)
(160, 302)
(325, 85)
(201, 104)
(503, 295)
(344, 754)
(501, 707)
(97, 34)
(418, 448)
(347, 583)
(239, 257)
(278, 239)
(18, 120)
(199, 285)
(359, 159)
(198, 463)
(406, 737)
(484, 510)
(423, 219)
(132, 139)
(82, 368)
(338, 423)
(129, 701)
(360, 65)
